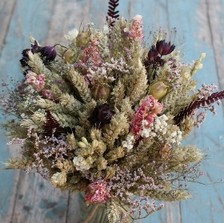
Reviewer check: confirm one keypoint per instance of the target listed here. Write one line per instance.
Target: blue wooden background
(200, 25)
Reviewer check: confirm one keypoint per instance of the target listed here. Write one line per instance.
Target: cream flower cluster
(81, 164)
(160, 129)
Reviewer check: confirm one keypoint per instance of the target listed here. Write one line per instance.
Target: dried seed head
(158, 90)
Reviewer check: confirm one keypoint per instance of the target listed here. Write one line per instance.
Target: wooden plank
(206, 203)
(215, 21)
(6, 11)
(9, 179)
(66, 16)
(37, 201)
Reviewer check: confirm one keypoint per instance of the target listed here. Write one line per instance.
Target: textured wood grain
(6, 12)
(29, 198)
(192, 17)
(214, 12)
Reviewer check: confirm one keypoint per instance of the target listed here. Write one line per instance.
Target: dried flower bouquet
(107, 115)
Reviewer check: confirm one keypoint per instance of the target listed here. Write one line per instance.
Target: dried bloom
(59, 179)
(101, 115)
(51, 125)
(82, 164)
(164, 48)
(153, 58)
(200, 103)
(197, 64)
(147, 110)
(91, 54)
(35, 48)
(135, 30)
(97, 192)
(129, 142)
(47, 94)
(37, 81)
(160, 129)
(156, 53)
(153, 54)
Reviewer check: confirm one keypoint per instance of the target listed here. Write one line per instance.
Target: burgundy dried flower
(51, 124)
(153, 54)
(101, 115)
(156, 53)
(48, 53)
(154, 58)
(164, 48)
(35, 48)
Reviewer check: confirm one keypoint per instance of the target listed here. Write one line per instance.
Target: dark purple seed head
(101, 115)
(48, 52)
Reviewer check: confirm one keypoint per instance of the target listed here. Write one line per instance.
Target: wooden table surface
(200, 25)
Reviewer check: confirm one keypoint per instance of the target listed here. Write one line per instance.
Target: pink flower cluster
(147, 110)
(97, 192)
(136, 31)
(91, 53)
(37, 81)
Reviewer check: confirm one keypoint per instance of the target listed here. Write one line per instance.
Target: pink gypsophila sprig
(147, 110)
(36, 80)
(97, 192)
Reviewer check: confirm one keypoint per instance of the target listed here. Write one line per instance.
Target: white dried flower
(169, 134)
(129, 142)
(81, 164)
(59, 179)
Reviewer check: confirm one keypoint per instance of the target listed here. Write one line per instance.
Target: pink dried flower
(136, 31)
(91, 54)
(97, 192)
(148, 109)
(37, 81)
(46, 93)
